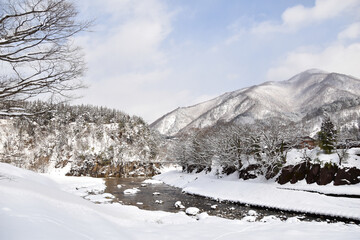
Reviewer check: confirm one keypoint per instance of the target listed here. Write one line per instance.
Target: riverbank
(34, 206)
(300, 197)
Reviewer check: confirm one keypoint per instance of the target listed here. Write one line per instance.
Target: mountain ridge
(292, 99)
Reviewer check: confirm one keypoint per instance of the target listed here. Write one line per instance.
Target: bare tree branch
(36, 52)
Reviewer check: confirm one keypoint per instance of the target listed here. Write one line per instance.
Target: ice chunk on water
(178, 204)
(131, 191)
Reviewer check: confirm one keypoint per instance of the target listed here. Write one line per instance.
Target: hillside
(304, 96)
(81, 140)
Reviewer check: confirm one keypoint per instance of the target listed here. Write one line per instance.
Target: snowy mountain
(305, 95)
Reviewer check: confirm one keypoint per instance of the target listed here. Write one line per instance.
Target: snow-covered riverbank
(269, 194)
(33, 206)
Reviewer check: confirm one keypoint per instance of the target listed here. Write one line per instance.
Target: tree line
(262, 145)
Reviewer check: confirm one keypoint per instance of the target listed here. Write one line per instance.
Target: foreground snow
(37, 207)
(269, 194)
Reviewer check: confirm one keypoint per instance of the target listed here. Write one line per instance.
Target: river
(162, 197)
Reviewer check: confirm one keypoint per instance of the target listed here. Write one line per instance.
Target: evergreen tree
(327, 135)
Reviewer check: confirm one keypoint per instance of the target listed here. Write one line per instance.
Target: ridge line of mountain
(292, 98)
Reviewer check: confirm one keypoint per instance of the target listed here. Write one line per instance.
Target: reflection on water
(165, 197)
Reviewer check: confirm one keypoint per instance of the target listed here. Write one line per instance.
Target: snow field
(47, 207)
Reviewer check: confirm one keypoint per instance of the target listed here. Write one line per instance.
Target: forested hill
(81, 140)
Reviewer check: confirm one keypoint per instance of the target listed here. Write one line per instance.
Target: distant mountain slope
(295, 98)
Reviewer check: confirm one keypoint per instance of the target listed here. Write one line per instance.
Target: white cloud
(351, 32)
(135, 94)
(128, 42)
(339, 56)
(299, 16)
(335, 58)
(125, 56)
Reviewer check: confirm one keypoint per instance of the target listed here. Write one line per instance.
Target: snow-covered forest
(97, 141)
(263, 148)
(87, 140)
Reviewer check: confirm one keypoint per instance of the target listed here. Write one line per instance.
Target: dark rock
(327, 174)
(129, 169)
(313, 173)
(250, 172)
(300, 171)
(271, 172)
(190, 168)
(228, 170)
(355, 175)
(253, 167)
(246, 175)
(342, 177)
(199, 169)
(346, 176)
(286, 174)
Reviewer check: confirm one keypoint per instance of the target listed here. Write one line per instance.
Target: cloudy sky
(148, 57)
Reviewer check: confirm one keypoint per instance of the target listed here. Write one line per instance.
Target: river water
(165, 197)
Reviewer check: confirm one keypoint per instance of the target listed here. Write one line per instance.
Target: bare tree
(37, 55)
(277, 138)
(230, 146)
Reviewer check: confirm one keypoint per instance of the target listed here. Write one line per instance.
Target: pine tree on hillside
(327, 135)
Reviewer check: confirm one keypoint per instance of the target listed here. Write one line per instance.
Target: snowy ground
(34, 206)
(260, 192)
